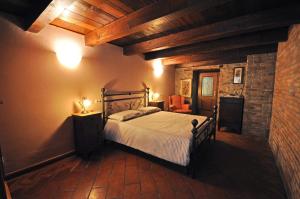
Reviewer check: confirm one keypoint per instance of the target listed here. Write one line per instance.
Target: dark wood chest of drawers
(87, 133)
(159, 104)
(231, 114)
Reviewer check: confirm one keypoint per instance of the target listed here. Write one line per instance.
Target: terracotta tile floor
(233, 167)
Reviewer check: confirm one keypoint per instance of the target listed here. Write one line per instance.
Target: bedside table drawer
(159, 104)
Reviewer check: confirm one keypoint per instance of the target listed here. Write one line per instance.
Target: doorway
(207, 92)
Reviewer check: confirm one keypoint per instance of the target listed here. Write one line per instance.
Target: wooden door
(207, 92)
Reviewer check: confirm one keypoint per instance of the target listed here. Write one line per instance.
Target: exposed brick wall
(257, 90)
(285, 124)
(258, 95)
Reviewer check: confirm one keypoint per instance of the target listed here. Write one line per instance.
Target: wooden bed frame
(4, 190)
(202, 133)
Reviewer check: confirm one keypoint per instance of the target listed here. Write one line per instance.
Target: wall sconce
(85, 104)
(158, 68)
(68, 53)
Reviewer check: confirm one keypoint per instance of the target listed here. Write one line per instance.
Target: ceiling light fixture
(158, 68)
(68, 53)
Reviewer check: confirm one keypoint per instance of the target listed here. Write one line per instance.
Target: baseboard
(38, 165)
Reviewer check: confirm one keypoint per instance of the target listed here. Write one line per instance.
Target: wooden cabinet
(87, 132)
(159, 104)
(231, 114)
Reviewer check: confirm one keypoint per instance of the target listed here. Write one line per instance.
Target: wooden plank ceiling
(179, 32)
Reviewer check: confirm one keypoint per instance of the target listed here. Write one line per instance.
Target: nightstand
(87, 133)
(159, 104)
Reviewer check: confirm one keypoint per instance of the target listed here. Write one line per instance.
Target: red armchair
(176, 104)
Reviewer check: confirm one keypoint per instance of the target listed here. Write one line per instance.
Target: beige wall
(38, 93)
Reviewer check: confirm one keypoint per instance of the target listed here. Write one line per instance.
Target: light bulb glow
(68, 53)
(156, 96)
(86, 103)
(158, 68)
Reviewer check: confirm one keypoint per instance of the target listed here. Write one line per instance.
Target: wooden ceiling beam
(91, 12)
(241, 41)
(269, 19)
(69, 26)
(108, 7)
(152, 15)
(78, 19)
(229, 54)
(48, 14)
(14, 8)
(219, 61)
(122, 5)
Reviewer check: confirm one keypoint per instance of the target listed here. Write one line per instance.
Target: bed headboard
(115, 101)
(2, 184)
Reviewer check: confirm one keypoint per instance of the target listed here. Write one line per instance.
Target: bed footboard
(202, 134)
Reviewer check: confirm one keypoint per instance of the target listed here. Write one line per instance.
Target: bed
(173, 137)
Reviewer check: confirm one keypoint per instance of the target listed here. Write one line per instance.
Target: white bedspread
(163, 134)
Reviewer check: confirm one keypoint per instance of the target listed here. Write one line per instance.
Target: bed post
(194, 130)
(214, 130)
(103, 106)
(146, 98)
(191, 166)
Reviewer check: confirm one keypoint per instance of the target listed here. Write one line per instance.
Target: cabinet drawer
(231, 100)
(159, 104)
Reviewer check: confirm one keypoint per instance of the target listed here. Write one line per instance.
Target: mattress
(166, 135)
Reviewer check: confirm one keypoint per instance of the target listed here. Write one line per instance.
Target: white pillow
(125, 115)
(149, 109)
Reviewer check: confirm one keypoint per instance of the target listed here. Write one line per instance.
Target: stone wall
(285, 124)
(180, 74)
(257, 90)
(187, 73)
(226, 85)
(258, 95)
